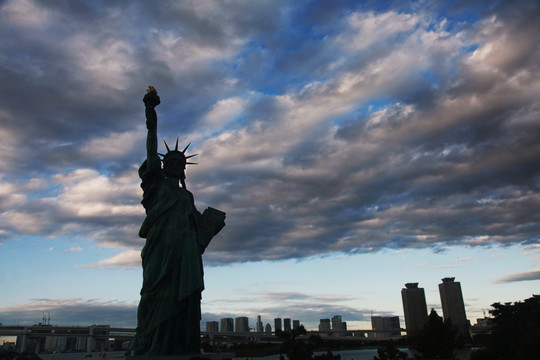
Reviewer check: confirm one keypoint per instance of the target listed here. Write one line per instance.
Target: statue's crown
(176, 154)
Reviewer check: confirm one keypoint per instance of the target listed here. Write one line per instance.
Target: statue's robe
(169, 312)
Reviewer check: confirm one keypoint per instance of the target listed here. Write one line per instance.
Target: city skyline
(355, 147)
(415, 313)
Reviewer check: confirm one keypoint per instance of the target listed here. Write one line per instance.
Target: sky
(355, 147)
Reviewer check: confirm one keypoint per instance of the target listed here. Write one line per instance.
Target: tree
(298, 349)
(516, 331)
(390, 351)
(438, 339)
(294, 348)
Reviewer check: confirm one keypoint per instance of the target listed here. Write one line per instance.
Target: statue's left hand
(211, 223)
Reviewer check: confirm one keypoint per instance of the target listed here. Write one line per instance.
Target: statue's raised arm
(151, 100)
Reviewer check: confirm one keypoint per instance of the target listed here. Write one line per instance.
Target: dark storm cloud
(445, 175)
(59, 103)
(321, 127)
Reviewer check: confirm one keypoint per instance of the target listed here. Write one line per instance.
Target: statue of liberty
(169, 312)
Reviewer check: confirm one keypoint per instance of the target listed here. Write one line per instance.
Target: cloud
(26, 13)
(524, 276)
(308, 308)
(69, 312)
(76, 311)
(309, 315)
(81, 201)
(370, 129)
(276, 297)
(126, 259)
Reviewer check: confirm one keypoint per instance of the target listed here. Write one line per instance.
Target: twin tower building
(453, 307)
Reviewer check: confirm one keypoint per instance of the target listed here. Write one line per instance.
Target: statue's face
(174, 168)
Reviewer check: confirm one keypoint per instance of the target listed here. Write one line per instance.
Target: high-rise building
(385, 323)
(277, 324)
(259, 324)
(227, 325)
(268, 328)
(295, 324)
(212, 326)
(241, 324)
(287, 324)
(338, 324)
(453, 306)
(324, 325)
(414, 308)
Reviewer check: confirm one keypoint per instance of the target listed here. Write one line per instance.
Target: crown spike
(176, 147)
(160, 154)
(167, 146)
(190, 156)
(192, 163)
(184, 151)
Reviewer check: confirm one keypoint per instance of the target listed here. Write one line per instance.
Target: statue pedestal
(219, 356)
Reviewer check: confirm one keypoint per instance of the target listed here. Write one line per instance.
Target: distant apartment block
(212, 326)
(385, 323)
(338, 324)
(453, 306)
(295, 324)
(324, 325)
(414, 308)
(482, 326)
(277, 325)
(241, 324)
(227, 325)
(287, 324)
